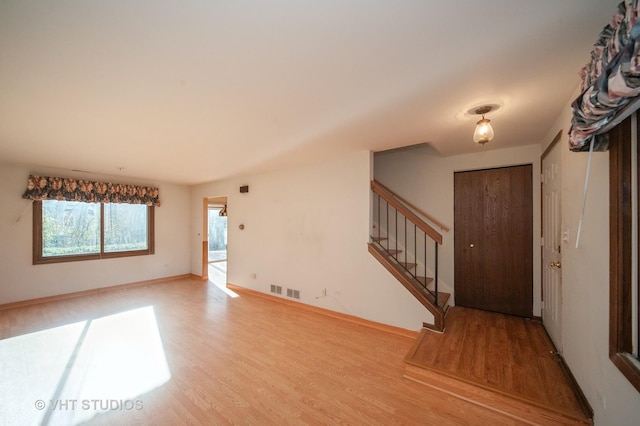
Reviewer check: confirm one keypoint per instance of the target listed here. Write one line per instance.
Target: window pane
(70, 228)
(125, 227)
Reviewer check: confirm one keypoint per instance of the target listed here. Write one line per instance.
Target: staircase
(407, 246)
(508, 366)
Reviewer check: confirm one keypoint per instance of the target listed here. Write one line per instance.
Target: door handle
(555, 265)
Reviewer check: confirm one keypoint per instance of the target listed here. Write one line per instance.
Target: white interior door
(551, 251)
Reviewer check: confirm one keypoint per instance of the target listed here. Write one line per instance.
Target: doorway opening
(214, 247)
(217, 234)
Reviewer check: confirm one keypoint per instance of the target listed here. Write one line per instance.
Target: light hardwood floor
(186, 352)
(509, 355)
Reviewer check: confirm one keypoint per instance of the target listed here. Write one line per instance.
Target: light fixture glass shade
(484, 131)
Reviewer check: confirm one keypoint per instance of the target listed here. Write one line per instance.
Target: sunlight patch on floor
(218, 276)
(68, 374)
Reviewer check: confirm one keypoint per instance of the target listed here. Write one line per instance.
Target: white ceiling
(192, 91)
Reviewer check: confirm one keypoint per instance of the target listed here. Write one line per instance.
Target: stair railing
(406, 238)
(415, 208)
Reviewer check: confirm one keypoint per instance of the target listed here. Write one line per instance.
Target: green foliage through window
(79, 230)
(70, 227)
(217, 230)
(125, 227)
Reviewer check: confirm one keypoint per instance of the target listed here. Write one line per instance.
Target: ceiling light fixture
(484, 131)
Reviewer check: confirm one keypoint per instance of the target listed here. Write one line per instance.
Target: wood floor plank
(506, 354)
(230, 360)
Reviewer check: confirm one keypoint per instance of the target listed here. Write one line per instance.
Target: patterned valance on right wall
(610, 81)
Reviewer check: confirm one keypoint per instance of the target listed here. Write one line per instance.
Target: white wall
(585, 285)
(425, 178)
(20, 280)
(307, 229)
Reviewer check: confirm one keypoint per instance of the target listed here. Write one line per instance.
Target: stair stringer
(391, 242)
(437, 312)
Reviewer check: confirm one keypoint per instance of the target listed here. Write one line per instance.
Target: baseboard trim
(577, 390)
(29, 302)
(398, 331)
(581, 397)
(198, 277)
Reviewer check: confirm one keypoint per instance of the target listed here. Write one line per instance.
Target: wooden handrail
(387, 195)
(411, 205)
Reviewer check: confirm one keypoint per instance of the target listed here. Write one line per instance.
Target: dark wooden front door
(493, 233)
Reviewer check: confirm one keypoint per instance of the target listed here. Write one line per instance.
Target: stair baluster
(396, 235)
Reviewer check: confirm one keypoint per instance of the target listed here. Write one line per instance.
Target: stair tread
(393, 251)
(425, 280)
(443, 298)
(378, 239)
(423, 295)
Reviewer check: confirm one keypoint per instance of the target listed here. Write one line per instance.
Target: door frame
(535, 178)
(206, 201)
(544, 155)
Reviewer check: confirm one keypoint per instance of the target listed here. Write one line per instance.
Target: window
(65, 231)
(624, 302)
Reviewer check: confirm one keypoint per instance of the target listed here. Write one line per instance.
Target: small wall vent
(277, 289)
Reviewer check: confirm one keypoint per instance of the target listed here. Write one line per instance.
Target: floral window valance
(57, 188)
(610, 81)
